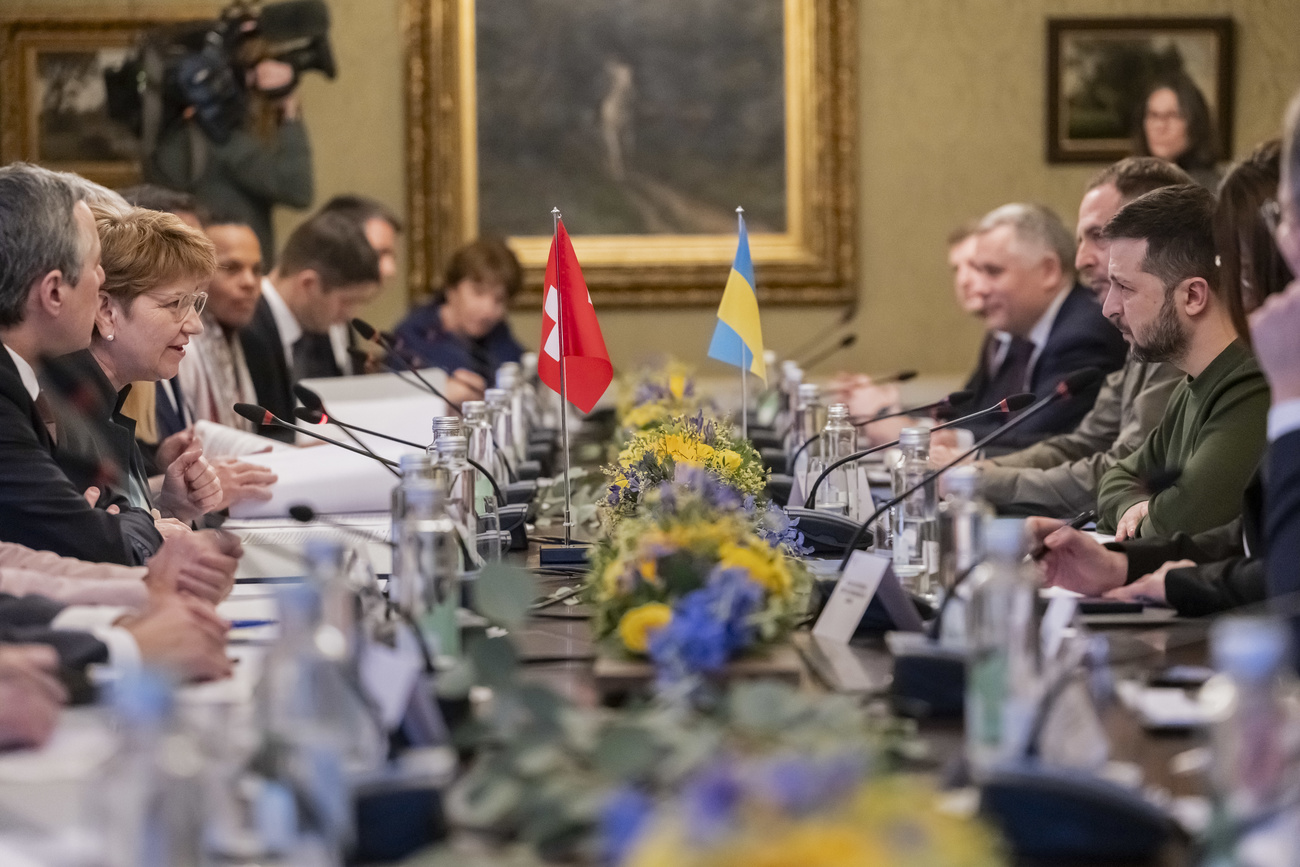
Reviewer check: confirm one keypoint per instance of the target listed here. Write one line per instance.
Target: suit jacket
(97, 445)
(1230, 560)
(26, 620)
(39, 506)
(272, 379)
(1080, 337)
(1283, 525)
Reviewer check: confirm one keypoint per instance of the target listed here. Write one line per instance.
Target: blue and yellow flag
(738, 339)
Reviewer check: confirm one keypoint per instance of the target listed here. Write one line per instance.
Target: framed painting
(646, 125)
(53, 100)
(1100, 72)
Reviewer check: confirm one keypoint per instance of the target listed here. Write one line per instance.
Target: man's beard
(1166, 340)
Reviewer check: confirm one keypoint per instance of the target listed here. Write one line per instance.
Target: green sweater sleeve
(1121, 487)
(1216, 472)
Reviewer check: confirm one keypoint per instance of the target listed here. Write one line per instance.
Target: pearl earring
(108, 337)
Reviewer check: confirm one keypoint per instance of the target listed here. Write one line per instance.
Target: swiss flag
(566, 299)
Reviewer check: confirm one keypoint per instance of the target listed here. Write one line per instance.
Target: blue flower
(800, 786)
(710, 800)
(622, 821)
(694, 642)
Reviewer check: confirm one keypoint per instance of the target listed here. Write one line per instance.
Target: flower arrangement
(654, 456)
(656, 394)
(697, 579)
(818, 811)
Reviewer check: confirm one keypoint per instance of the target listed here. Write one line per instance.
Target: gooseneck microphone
(1007, 405)
(818, 357)
(369, 332)
(316, 416)
(951, 401)
(901, 376)
(1067, 388)
(305, 514)
(313, 400)
(260, 415)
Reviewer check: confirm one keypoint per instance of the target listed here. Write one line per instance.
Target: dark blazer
(1283, 526)
(40, 507)
(272, 379)
(97, 443)
(1225, 575)
(421, 338)
(26, 620)
(1080, 337)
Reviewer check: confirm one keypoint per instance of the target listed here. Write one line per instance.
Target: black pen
(1076, 523)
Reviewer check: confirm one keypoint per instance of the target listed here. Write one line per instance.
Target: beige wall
(951, 120)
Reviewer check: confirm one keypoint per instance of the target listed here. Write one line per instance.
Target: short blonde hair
(143, 250)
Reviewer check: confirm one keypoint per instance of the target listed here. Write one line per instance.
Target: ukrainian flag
(738, 339)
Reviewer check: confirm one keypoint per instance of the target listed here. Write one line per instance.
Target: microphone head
(309, 398)
(302, 512)
(1079, 381)
(848, 340)
(311, 416)
(256, 414)
(902, 375)
(364, 328)
(1018, 401)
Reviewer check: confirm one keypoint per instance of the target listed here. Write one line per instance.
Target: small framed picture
(1119, 86)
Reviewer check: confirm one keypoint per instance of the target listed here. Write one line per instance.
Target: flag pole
(744, 368)
(564, 386)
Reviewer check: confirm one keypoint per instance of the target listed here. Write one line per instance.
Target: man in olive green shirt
(1059, 476)
(1165, 297)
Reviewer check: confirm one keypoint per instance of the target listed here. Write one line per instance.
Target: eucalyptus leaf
(761, 706)
(626, 751)
(495, 661)
(503, 594)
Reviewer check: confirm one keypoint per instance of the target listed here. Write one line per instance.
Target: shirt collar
(285, 322)
(27, 373)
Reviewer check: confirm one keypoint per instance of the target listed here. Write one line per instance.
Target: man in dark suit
(49, 285)
(1044, 326)
(1275, 331)
(327, 271)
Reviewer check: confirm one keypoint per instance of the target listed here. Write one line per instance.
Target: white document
(328, 479)
(852, 594)
(382, 402)
(221, 441)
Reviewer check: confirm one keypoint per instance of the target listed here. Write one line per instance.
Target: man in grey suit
(1059, 476)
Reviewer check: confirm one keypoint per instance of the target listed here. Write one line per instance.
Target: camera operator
(266, 161)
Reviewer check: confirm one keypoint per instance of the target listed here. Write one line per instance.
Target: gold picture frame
(810, 259)
(52, 100)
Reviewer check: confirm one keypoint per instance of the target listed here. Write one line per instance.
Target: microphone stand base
(564, 555)
(929, 678)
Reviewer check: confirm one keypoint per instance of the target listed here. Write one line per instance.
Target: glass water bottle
(914, 536)
(838, 492)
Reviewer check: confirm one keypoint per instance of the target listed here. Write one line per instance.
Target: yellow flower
(649, 571)
(636, 626)
(609, 579)
(677, 386)
(705, 452)
(679, 448)
(765, 565)
(731, 461)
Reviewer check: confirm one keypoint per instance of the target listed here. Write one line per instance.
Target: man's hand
(464, 385)
(184, 635)
(1275, 332)
(169, 527)
(1150, 588)
(1076, 561)
(201, 564)
(30, 695)
(190, 485)
(1127, 528)
(92, 496)
(242, 481)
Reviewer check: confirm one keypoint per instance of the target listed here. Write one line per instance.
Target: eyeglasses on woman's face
(179, 306)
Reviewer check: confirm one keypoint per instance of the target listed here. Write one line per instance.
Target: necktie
(1014, 374)
(46, 415)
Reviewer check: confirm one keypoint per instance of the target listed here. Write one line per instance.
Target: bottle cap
(142, 697)
(809, 391)
(914, 436)
(474, 408)
(1253, 648)
(1005, 537)
(769, 357)
(444, 425)
(417, 462)
(508, 375)
(450, 445)
(838, 412)
(963, 481)
(496, 397)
